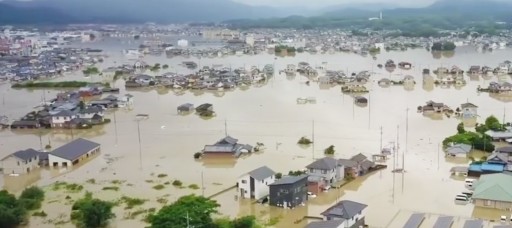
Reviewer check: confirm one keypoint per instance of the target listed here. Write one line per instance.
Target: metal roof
(444, 222)
(415, 220)
(494, 187)
(261, 173)
(473, 224)
(75, 149)
(219, 148)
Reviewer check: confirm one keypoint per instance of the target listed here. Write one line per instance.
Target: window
(18, 163)
(487, 203)
(244, 182)
(311, 170)
(324, 171)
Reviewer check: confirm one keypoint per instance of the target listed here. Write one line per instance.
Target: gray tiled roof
(261, 173)
(289, 180)
(25, 154)
(444, 222)
(345, 209)
(75, 149)
(326, 163)
(325, 224)
(473, 224)
(347, 163)
(227, 140)
(358, 158)
(459, 149)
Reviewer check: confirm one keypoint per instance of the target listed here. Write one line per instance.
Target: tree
(191, 210)
(81, 105)
(11, 211)
(165, 66)
(437, 46)
(92, 213)
(244, 222)
(279, 175)
(449, 46)
(31, 198)
(493, 123)
(460, 128)
(329, 150)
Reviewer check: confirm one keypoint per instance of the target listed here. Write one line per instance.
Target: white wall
(260, 187)
(52, 159)
(245, 186)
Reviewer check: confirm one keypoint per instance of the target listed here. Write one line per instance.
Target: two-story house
(324, 172)
(289, 191)
(90, 112)
(254, 184)
(21, 162)
(350, 212)
(469, 110)
(59, 120)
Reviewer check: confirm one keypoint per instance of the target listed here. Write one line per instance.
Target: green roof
(496, 187)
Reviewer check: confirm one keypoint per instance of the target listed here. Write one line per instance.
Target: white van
(469, 181)
(461, 199)
(462, 196)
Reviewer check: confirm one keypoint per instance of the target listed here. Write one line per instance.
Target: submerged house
(228, 146)
(184, 108)
(20, 162)
(493, 191)
(469, 110)
(323, 173)
(350, 212)
(73, 153)
(254, 184)
(289, 191)
(458, 150)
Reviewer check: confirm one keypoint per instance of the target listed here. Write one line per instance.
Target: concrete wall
(261, 188)
(14, 165)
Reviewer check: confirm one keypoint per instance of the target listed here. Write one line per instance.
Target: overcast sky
(324, 3)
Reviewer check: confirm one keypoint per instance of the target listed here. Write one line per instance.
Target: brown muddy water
(267, 114)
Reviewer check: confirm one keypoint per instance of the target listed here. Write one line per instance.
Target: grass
(73, 188)
(132, 202)
(111, 188)
(158, 187)
(149, 181)
(39, 214)
(162, 200)
(117, 182)
(167, 183)
(273, 221)
(91, 181)
(193, 186)
(161, 175)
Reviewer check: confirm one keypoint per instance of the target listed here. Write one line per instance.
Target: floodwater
(268, 114)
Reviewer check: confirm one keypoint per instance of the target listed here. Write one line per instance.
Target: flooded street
(270, 114)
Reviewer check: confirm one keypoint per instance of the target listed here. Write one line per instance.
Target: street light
(138, 118)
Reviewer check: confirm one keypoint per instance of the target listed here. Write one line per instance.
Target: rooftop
(261, 173)
(345, 209)
(325, 224)
(289, 180)
(75, 149)
(24, 154)
(326, 163)
(494, 187)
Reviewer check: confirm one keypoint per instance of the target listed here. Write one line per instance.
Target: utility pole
(225, 127)
(397, 141)
(313, 139)
(369, 109)
(202, 183)
(115, 125)
(140, 145)
(41, 141)
(381, 139)
(504, 110)
(406, 138)
(438, 154)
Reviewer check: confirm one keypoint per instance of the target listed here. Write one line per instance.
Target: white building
(59, 120)
(254, 185)
(469, 110)
(182, 43)
(249, 40)
(73, 153)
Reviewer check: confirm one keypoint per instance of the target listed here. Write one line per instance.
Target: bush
(197, 155)
(304, 141)
(279, 175)
(193, 186)
(177, 183)
(296, 173)
(90, 212)
(39, 214)
(132, 202)
(158, 187)
(161, 175)
(460, 128)
(31, 198)
(110, 188)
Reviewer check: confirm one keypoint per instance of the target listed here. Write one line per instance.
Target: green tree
(449, 46)
(329, 150)
(193, 210)
(279, 175)
(493, 123)
(437, 46)
(460, 128)
(81, 105)
(92, 213)
(11, 211)
(31, 198)
(244, 222)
